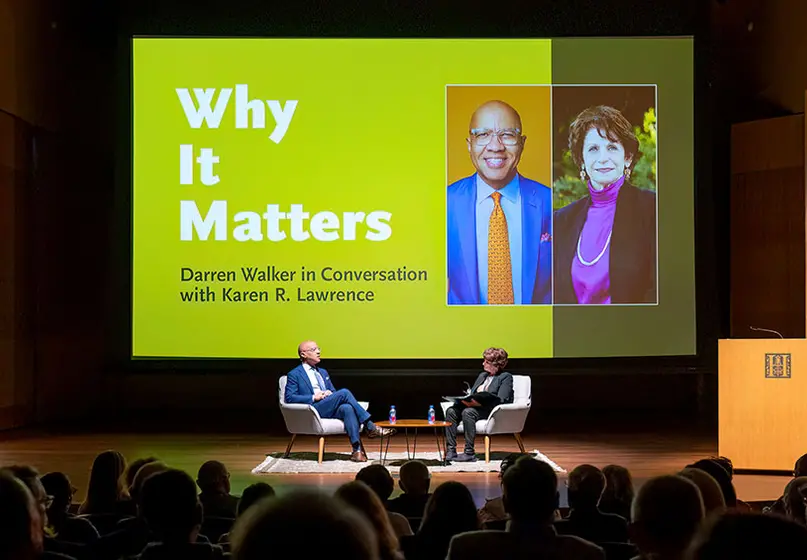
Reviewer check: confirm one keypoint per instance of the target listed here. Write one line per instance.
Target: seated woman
(496, 386)
(605, 243)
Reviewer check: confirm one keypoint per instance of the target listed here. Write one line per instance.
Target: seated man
(493, 510)
(310, 384)
(415, 480)
(171, 508)
(378, 478)
(667, 513)
(585, 487)
(530, 494)
(494, 381)
(214, 481)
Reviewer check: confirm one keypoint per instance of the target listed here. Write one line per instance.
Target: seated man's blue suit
(536, 246)
(341, 404)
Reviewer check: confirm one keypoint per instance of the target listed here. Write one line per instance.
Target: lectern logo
(777, 365)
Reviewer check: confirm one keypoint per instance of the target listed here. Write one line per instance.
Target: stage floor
(644, 454)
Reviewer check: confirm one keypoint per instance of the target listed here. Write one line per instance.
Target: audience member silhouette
(171, 508)
(723, 478)
(132, 468)
(251, 495)
(799, 469)
(303, 525)
(530, 498)
(618, 494)
(21, 530)
(106, 493)
(493, 510)
(415, 480)
(450, 511)
(378, 478)
(585, 520)
(63, 525)
(712, 495)
(750, 536)
(728, 465)
(30, 478)
(135, 531)
(52, 547)
(142, 474)
(667, 512)
(795, 495)
(364, 499)
(214, 482)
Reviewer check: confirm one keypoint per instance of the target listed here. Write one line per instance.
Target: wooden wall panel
(761, 53)
(16, 340)
(29, 48)
(768, 228)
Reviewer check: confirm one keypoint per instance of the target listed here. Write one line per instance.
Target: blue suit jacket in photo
(536, 220)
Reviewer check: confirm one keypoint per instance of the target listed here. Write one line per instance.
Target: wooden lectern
(762, 402)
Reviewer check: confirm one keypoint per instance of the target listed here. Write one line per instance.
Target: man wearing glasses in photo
(498, 222)
(310, 384)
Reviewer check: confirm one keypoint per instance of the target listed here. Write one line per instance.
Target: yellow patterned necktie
(500, 270)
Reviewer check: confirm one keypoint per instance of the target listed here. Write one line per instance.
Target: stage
(644, 454)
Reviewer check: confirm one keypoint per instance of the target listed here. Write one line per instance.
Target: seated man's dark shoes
(358, 456)
(378, 432)
(464, 458)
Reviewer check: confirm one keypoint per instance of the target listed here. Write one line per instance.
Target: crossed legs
(344, 406)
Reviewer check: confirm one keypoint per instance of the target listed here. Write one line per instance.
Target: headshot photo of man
(499, 223)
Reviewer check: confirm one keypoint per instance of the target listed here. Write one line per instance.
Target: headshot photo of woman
(605, 241)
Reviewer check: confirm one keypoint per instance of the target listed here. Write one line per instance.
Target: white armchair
(505, 418)
(303, 419)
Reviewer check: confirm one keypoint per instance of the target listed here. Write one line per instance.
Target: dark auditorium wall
(16, 341)
(55, 187)
(19, 86)
(764, 47)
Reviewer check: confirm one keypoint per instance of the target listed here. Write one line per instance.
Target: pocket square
(546, 237)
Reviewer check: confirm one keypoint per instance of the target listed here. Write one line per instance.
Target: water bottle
(431, 414)
(393, 416)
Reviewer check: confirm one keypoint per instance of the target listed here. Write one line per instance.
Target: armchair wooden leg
(520, 442)
(321, 449)
(487, 449)
(289, 446)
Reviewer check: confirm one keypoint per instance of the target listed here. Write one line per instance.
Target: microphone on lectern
(767, 330)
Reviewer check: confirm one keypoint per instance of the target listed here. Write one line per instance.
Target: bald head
(213, 476)
(309, 352)
(495, 143)
(414, 478)
(499, 111)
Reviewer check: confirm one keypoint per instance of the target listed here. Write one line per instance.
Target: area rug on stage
(306, 462)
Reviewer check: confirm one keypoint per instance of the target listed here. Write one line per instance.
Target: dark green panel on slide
(667, 328)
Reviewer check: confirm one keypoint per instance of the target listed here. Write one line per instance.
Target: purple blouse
(590, 277)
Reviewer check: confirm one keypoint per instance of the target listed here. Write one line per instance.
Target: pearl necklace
(596, 260)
